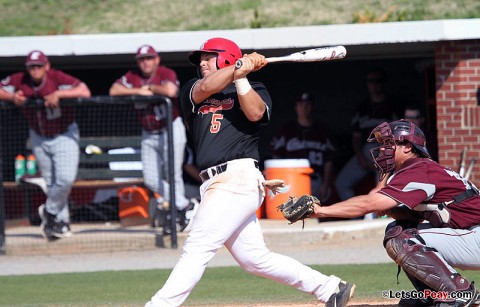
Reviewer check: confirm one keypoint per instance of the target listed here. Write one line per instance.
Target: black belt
(157, 131)
(467, 194)
(218, 169)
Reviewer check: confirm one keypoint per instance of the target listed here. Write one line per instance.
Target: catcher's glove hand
(298, 208)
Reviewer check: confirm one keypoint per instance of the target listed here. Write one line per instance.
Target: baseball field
(220, 286)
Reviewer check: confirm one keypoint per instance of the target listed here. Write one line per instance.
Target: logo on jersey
(213, 105)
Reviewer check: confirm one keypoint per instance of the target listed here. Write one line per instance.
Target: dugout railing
(98, 117)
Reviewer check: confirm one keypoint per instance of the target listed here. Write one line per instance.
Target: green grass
(228, 285)
(51, 17)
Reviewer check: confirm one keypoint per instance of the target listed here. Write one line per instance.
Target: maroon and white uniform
(44, 121)
(454, 226)
(53, 134)
(153, 119)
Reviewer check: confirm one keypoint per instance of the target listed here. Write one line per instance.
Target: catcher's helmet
(227, 52)
(387, 134)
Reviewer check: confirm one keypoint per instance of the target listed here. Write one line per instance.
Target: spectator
(54, 134)
(305, 138)
(378, 107)
(415, 115)
(151, 78)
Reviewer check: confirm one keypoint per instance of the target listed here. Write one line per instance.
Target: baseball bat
(470, 168)
(463, 162)
(310, 55)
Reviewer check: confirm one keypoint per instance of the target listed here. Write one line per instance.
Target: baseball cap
(36, 57)
(145, 51)
(304, 96)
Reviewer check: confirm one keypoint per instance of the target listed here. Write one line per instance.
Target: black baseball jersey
(220, 130)
(368, 115)
(293, 141)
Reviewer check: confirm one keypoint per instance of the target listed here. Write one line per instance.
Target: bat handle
(238, 64)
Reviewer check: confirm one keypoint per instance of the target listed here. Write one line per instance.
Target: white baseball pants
(227, 216)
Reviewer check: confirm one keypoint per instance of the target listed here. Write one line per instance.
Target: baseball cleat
(473, 301)
(52, 230)
(342, 295)
(61, 230)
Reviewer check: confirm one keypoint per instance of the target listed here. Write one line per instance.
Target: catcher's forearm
(354, 207)
(337, 210)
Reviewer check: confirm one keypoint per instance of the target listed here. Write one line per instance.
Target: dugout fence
(104, 203)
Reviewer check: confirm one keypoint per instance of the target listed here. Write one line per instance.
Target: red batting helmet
(387, 134)
(227, 52)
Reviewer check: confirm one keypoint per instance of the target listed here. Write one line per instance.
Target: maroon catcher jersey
(293, 141)
(421, 182)
(151, 116)
(45, 121)
(220, 130)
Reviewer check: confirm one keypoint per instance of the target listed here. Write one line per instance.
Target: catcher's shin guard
(422, 262)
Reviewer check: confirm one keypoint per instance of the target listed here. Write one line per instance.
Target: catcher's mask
(227, 52)
(388, 135)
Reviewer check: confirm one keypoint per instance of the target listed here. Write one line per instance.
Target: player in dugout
(53, 132)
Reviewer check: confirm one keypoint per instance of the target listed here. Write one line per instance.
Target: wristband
(242, 85)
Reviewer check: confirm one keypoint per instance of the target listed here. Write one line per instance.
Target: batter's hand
(259, 60)
(275, 185)
(250, 62)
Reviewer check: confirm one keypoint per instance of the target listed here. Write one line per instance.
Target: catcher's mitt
(298, 208)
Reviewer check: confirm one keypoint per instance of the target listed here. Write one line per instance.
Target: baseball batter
(151, 78)
(53, 133)
(419, 189)
(224, 112)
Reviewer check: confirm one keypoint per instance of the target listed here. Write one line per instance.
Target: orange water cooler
(133, 203)
(295, 173)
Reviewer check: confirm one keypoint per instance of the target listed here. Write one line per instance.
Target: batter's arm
(212, 84)
(251, 103)
(356, 206)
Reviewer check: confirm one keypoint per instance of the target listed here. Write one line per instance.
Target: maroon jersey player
(53, 133)
(436, 212)
(151, 78)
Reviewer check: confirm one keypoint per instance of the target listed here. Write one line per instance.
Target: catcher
(436, 212)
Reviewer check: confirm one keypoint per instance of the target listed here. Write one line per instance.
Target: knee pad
(409, 251)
